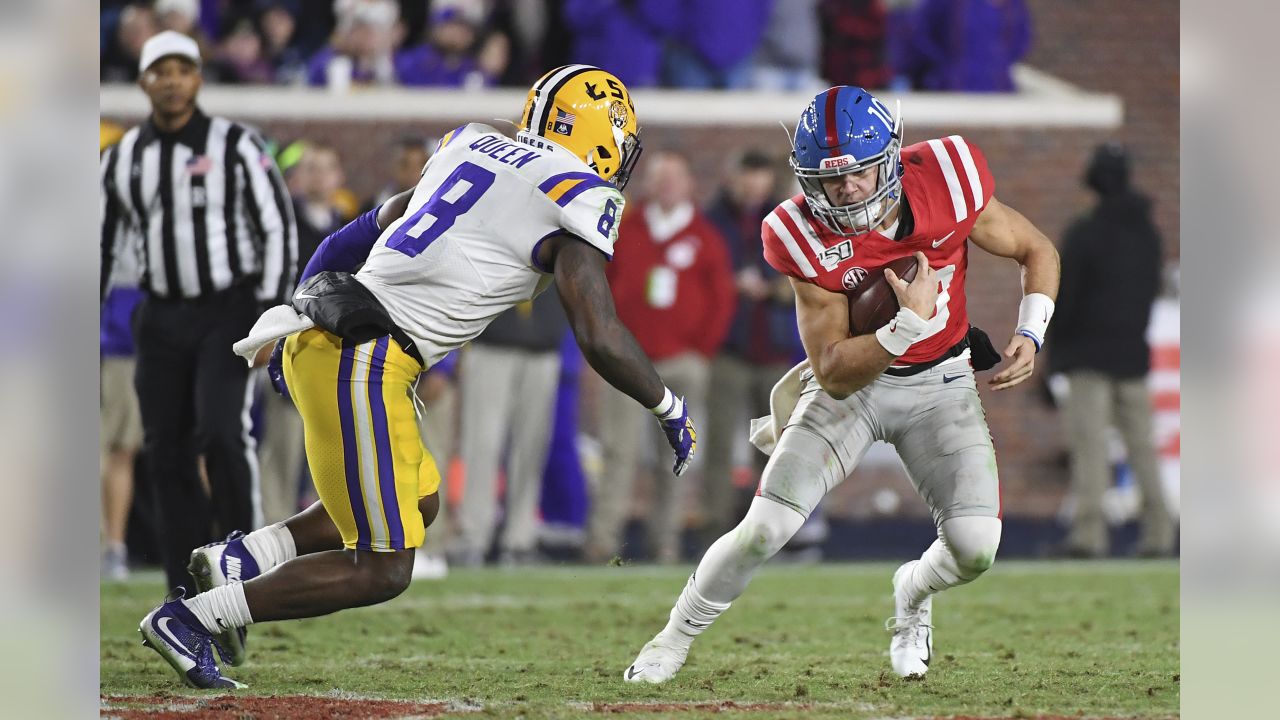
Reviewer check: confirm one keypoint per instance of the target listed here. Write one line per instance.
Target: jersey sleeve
(590, 208)
(780, 249)
(974, 162)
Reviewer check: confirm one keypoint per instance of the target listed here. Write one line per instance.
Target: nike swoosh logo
(632, 672)
(928, 647)
(304, 296)
(163, 624)
(946, 379)
(936, 243)
(221, 625)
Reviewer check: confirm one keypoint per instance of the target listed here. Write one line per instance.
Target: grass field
(1027, 640)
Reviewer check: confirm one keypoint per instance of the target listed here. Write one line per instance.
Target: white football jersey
(464, 250)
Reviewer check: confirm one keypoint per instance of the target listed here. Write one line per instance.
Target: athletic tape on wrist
(905, 328)
(669, 407)
(1034, 313)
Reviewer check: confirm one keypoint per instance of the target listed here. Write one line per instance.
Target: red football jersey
(947, 184)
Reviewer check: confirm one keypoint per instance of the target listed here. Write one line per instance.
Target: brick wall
(1127, 47)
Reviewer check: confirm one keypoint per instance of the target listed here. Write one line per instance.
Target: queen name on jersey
(945, 184)
(497, 198)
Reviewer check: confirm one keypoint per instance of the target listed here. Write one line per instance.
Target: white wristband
(905, 328)
(1034, 313)
(671, 406)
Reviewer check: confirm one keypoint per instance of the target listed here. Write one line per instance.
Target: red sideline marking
(297, 707)
(1164, 357)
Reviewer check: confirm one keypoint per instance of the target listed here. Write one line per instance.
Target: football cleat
(218, 564)
(175, 633)
(658, 662)
(911, 648)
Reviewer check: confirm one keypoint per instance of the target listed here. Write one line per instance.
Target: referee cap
(168, 43)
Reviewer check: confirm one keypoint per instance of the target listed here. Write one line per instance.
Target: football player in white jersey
(492, 223)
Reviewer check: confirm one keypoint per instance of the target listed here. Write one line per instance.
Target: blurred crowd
(939, 45)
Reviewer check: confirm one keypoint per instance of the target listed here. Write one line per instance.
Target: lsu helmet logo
(589, 112)
(618, 114)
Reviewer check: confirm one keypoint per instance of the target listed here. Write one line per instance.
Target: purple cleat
(218, 564)
(174, 632)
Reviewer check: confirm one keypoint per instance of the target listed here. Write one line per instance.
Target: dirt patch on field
(296, 707)
(708, 707)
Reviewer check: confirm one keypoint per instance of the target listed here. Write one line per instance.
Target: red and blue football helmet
(846, 129)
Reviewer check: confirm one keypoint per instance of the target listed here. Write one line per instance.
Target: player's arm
(349, 245)
(607, 344)
(1004, 232)
(843, 364)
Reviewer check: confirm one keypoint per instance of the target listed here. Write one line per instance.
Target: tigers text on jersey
(946, 184)
(464, 249)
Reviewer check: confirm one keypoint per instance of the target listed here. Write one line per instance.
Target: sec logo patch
(852, 277)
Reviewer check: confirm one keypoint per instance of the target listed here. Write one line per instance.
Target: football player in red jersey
(867, 201)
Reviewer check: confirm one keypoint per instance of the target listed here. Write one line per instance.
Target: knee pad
(767, 526)
(973, 542)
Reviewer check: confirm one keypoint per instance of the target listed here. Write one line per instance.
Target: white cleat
(911, 648)
(658, 662)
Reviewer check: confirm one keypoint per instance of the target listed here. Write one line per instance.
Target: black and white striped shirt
(203, 209)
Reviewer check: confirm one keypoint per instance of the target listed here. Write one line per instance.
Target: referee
(201, 203)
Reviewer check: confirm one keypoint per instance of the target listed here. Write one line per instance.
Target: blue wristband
(1034, 339)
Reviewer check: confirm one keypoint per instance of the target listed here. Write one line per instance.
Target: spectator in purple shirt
(714, 42)
(970, 45)
(625, 36)
(448, 58)
(360, 50)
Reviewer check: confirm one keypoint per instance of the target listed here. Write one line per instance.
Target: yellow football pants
(363, 448)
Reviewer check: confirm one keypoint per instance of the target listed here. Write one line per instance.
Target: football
(872, 302)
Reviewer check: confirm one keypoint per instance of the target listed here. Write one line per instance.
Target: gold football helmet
(589, 112)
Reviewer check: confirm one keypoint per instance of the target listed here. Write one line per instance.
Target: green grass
(1091, 639)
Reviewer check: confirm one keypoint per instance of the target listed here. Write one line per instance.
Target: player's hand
(682, 438)
(920, 296)
(1022, 353)
(275, 369)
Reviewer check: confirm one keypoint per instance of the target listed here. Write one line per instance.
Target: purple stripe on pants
(346, 418)
(382, 442)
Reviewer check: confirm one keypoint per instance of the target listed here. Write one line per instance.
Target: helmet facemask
(862, 216)
(629, 144)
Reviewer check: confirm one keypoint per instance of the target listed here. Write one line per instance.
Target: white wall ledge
(1045, 105)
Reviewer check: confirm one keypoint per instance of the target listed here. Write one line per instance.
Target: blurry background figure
(239, 57)
(120, 421)
(508, 395)
(712, 45)
(674, 289)
(280, 46)
(762, 344)
(180, 16)
(360, 50)
(600, 27)
(133, 24)
(524, 26)
(312, 181)
(1111, 266)
(451, 55)
(438, 425)
(789, 53)
(565, 497)
(854, 42)
(409, 154)
(969, 45)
